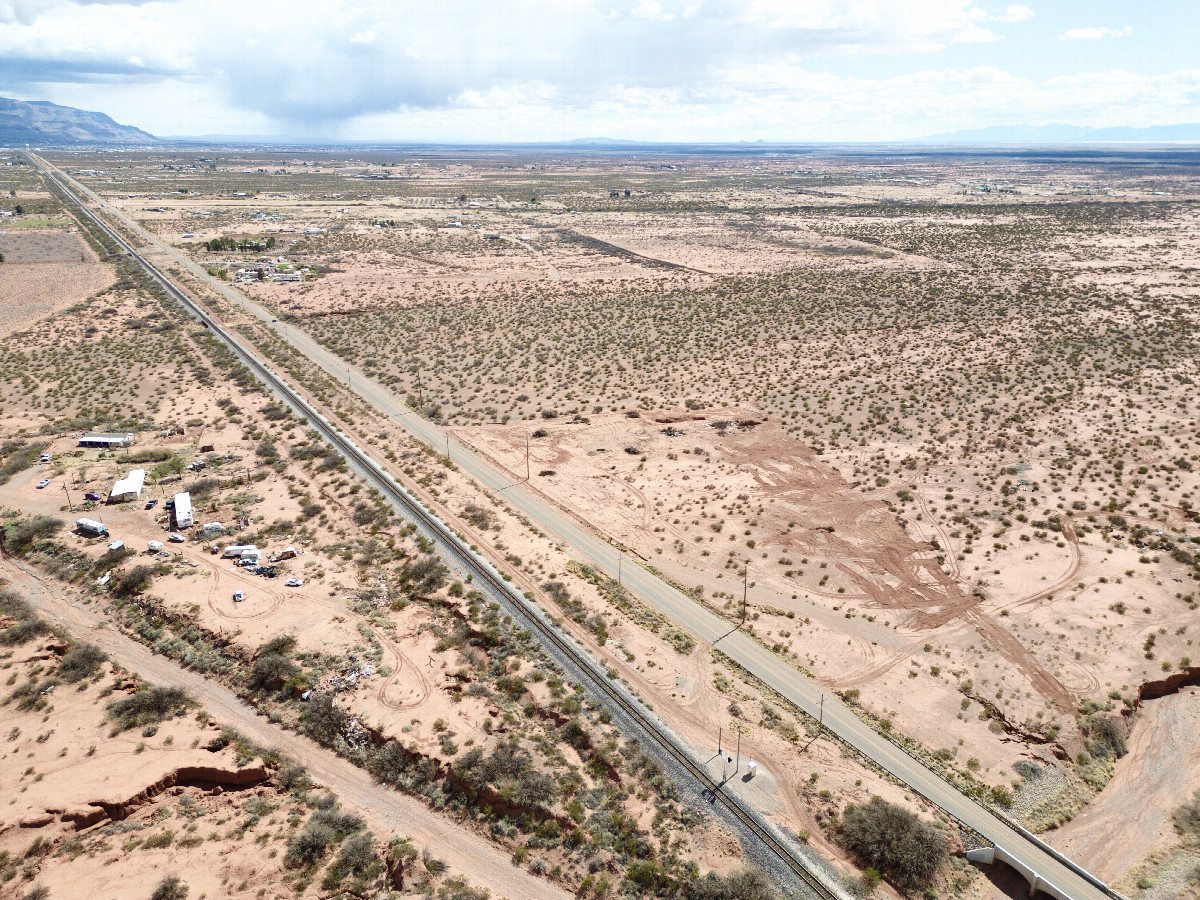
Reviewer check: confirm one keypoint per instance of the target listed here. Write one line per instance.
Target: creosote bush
(82, 661)
(895, 842)
(27, 625)
(148, 707)
(170, 888)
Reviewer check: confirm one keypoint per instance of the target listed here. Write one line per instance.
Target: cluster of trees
(228, 244)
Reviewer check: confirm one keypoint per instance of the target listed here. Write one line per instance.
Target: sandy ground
(45, 271)
(386, 812)
(1131, 817)
(973, 581)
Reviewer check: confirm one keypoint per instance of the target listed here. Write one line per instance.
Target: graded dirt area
(44, 271)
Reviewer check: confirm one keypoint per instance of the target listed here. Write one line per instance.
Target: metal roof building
(103, 441)
(129, 487)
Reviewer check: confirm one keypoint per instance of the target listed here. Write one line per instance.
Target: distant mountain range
(1065, 134)
(41, 123)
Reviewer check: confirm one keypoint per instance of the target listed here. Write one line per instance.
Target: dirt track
(385, 811)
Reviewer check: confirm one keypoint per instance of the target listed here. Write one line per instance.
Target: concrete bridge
(1037, 884)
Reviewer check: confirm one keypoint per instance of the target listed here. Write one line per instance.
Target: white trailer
(92, 527)
(129, 487)
(183, 510)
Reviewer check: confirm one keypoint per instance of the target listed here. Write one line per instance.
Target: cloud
(26, 11)
(1094, 34)
(790, 103)
(541, 69)
(335, 60)
(1014, 13)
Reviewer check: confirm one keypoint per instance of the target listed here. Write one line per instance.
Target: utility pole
(420, 393)
(68, 493)
(821, 720)
(447, 446)
(738, 767)
(527, 456)
(745, 590)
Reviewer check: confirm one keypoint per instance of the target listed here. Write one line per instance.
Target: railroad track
(525, 610)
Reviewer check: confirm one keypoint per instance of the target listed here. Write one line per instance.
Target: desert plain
(922, 422)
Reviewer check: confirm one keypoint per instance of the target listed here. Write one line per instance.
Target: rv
(183, 510)
(92, 527)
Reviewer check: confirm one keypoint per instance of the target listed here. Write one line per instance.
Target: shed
(105, 441)
(183, 510)
(129, 487)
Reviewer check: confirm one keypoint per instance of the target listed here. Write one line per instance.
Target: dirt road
(385, 811)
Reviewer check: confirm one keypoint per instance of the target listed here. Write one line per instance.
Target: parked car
(150, 504)
(238, 596)
(43, 483)
(176, 538)
(45, 457)
(92, 495)
(294, 582)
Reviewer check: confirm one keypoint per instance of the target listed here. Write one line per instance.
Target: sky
(651, 70)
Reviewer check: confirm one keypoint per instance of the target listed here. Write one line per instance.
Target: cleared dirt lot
(45, 272)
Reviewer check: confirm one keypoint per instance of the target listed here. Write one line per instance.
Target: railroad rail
(528, 612)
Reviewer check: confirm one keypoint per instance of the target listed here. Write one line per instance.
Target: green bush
(271, 671)
(17, 538)
(458, 889)
(170, 888)
(27, 625)
(30, 695)
(746, 884)
(1107, 737)
(160, 840)
(135, 581)
(309, 846)
(81, 662)
(894, 841)
(322, 720)
(147, 707)
(358, 858)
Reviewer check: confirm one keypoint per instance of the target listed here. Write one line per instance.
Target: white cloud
(540, 69)
(1015, 13)
(649, 9)
(792, 103)
(1094, 34)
